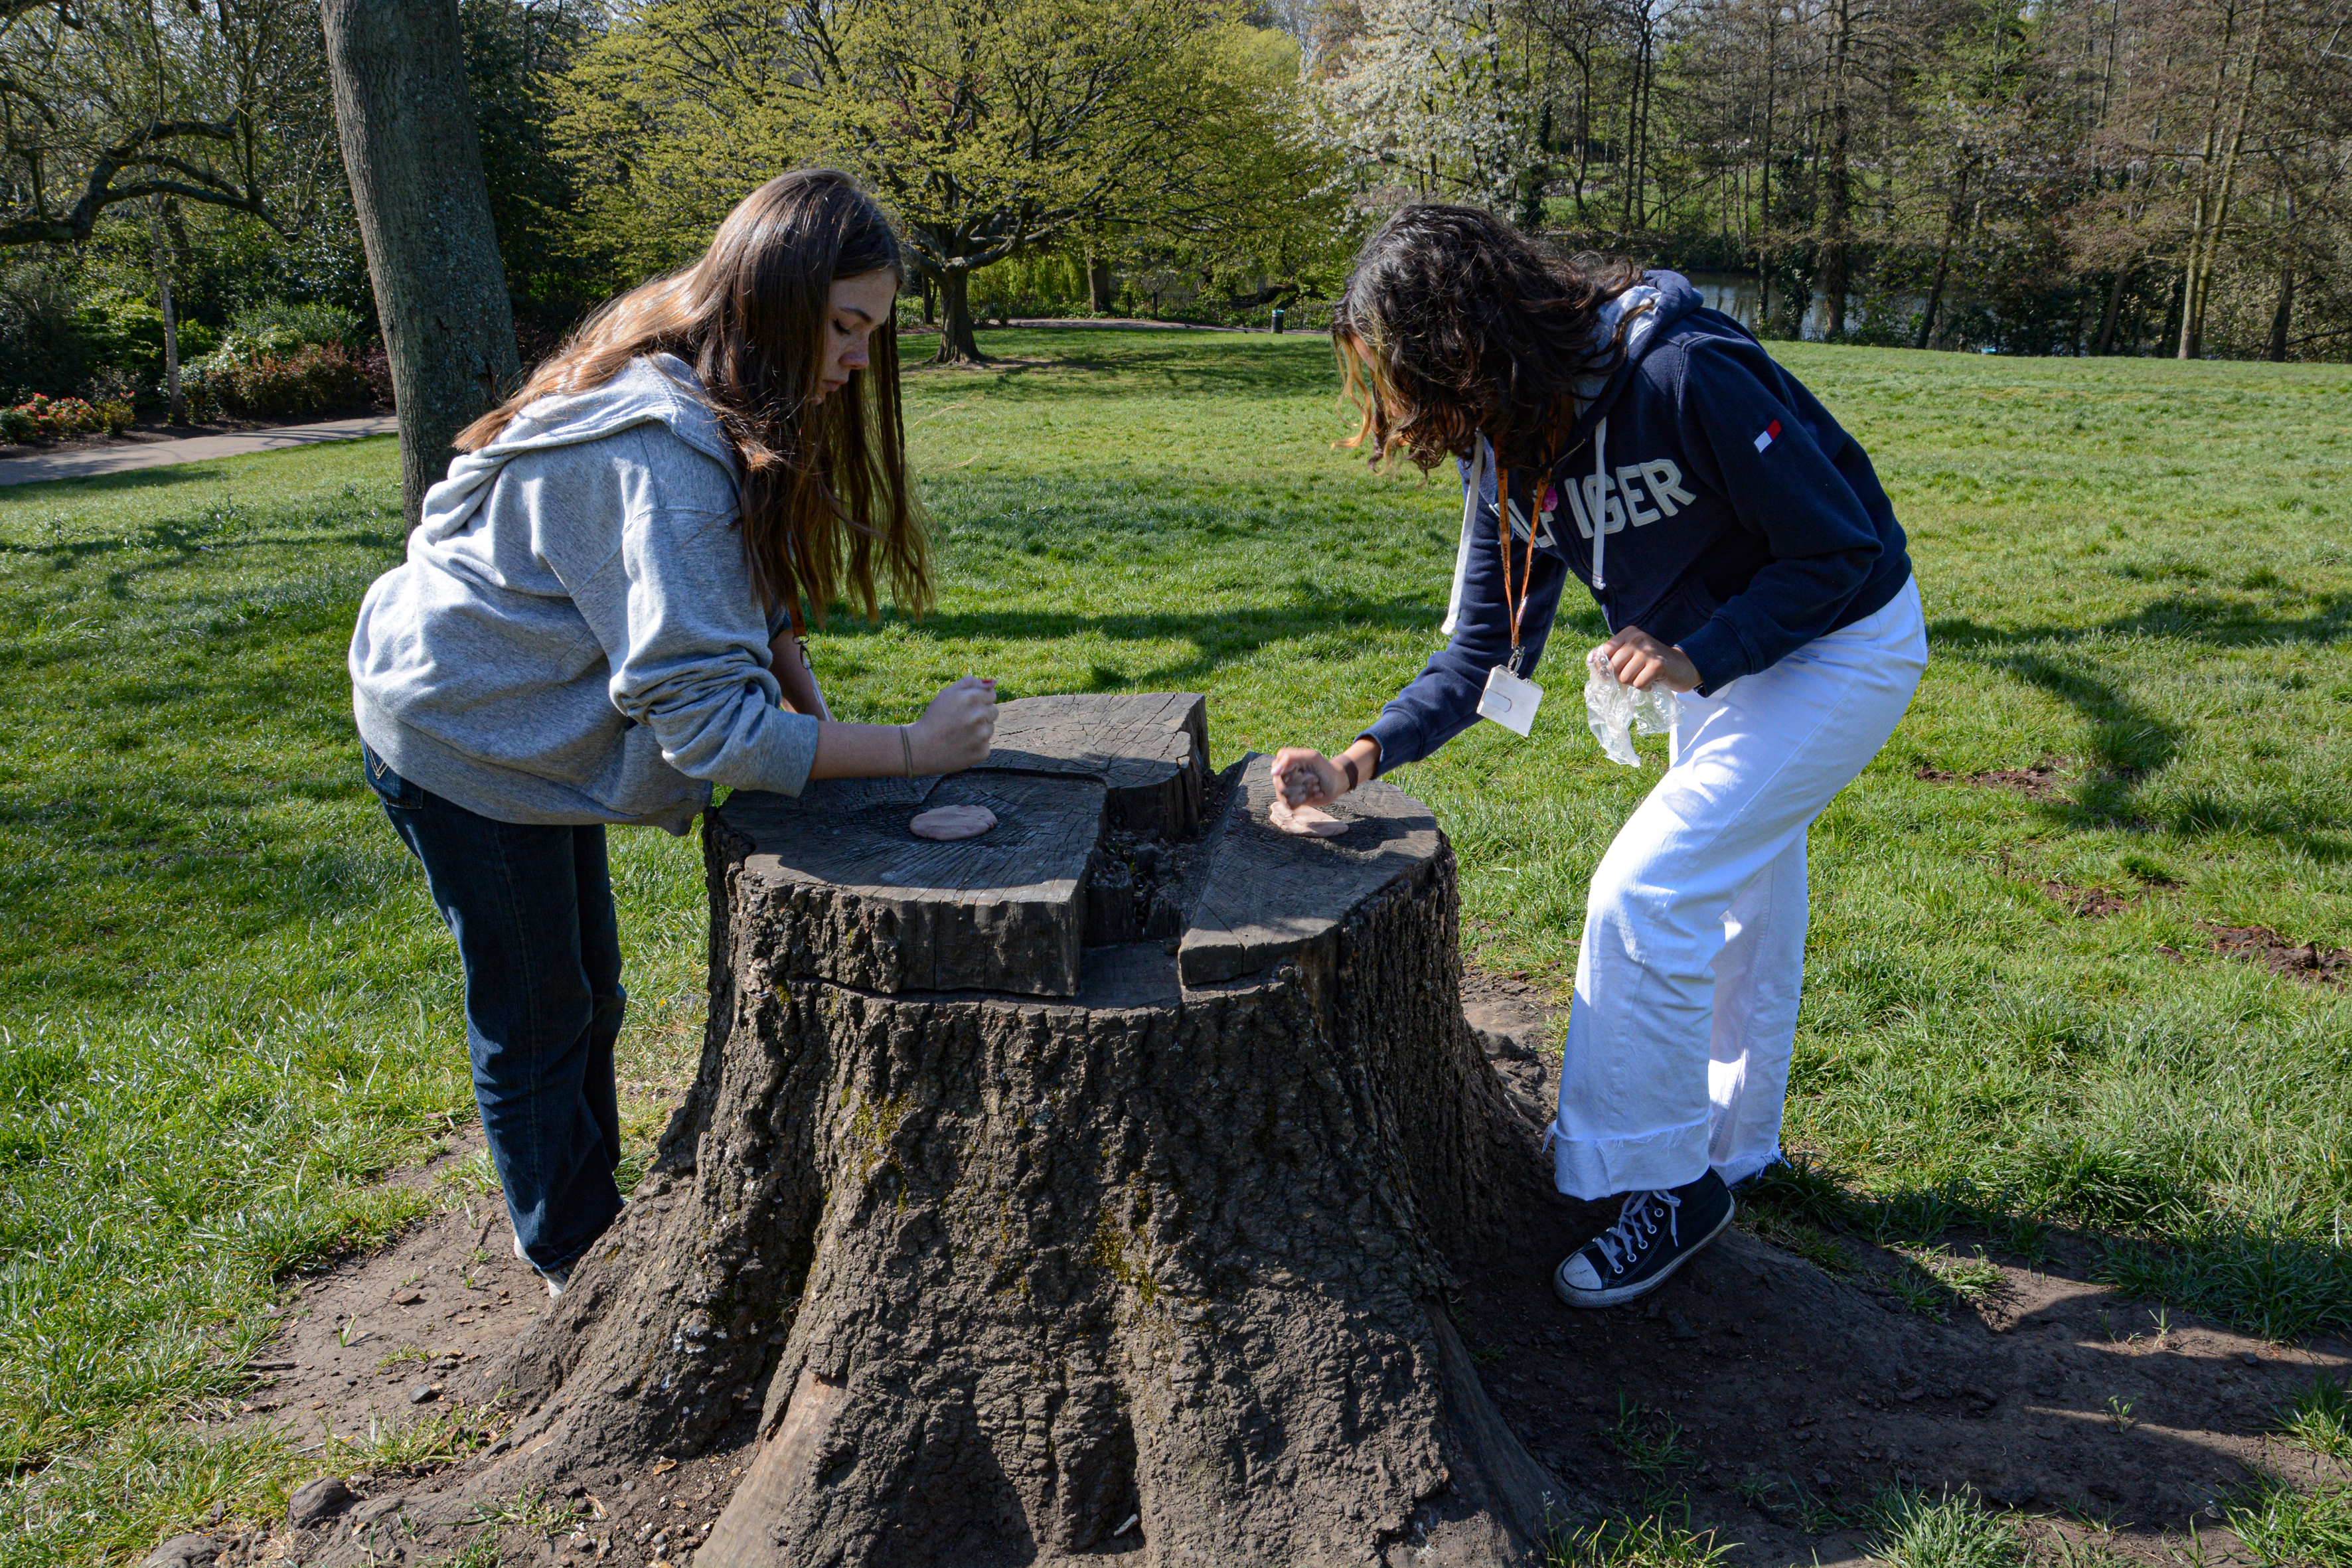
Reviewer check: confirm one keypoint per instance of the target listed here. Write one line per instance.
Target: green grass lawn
(226, 1007)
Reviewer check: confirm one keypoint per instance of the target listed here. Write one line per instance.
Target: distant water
(1736, 295)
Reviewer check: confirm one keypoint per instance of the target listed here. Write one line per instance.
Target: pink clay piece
(952, 822)
(1306, 821)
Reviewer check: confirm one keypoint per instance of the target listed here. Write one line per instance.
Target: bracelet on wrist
(907, 748)
(1348, 765)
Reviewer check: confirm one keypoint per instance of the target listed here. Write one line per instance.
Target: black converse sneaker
(1654, 1234)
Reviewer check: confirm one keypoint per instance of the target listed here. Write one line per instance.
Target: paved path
(116, 458)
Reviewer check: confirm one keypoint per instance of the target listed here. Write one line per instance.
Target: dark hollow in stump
(1092, 1187)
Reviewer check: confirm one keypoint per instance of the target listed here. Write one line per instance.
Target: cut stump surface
(1114, 1165)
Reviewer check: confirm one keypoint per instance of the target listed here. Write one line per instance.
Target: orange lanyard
(1527, 570)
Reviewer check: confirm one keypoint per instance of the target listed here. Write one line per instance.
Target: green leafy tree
(516, 54)
(994, 129)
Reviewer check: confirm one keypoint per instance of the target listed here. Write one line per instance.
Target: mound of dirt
(2040, 782)
(2303, 961)
(2087, 903)
(1773, 1393)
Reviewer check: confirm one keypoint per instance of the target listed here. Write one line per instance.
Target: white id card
(1510, 701)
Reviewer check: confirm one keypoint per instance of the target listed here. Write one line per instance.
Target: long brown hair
(1454, 324)
(824, 482)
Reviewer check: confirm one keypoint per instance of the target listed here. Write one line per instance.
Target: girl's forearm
(1366, 754)
(864, 751)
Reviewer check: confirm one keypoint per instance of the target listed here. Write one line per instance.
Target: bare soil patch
(1778, 1384)
(2087, 903)
(2306, 961)
(2040, 782)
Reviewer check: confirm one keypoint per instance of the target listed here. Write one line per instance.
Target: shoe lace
(1636, 1226)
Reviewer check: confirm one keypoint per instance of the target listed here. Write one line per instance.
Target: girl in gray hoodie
(598, 620)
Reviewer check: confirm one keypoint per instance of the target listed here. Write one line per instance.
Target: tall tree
(1437, 96)
(994, 128)
(407, 122)
(104, 102)
(516, 54)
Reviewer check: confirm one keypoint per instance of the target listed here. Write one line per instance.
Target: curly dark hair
(1454, 323)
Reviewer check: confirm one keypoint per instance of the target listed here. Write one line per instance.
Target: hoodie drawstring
(1596, 501)
(1469, 533)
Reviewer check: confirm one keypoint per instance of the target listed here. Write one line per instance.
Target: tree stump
(1092, 1187)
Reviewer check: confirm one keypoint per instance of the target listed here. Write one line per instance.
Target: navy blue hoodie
(1739, 522)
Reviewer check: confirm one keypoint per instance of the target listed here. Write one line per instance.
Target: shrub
(52, 417)
(376, 365)
(124, 334)
(273, 378)
(39, 347)
(300, 323)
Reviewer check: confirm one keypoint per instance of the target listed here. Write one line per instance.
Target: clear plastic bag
(1617, 712)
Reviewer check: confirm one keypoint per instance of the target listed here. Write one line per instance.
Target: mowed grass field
(226, 1009)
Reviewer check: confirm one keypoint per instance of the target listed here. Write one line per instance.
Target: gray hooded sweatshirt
(574, 638)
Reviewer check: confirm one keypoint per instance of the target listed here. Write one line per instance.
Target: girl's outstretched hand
(955, 731)
(1303, 776)
(1638, 659)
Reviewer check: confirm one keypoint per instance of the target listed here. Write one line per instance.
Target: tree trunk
(1104, 1173)
(1764, 177)
(2280, 317)
(1926, 339)
(957, 344)
(1943, 266)
(2114, 310)
(406, 119)
(1097, 284)
(1583, 131)
(176, 401)
(1837, 182)
(176, 404)
(2205, 243)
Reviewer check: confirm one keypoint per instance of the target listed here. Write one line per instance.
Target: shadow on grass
(199, 470)
(224, 527)
(2173, 1252)
(2128, 743)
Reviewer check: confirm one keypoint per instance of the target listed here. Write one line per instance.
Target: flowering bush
(267, 373)
(376, 365)
(51, 417)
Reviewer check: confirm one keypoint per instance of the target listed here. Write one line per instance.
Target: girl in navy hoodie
(1746, 559)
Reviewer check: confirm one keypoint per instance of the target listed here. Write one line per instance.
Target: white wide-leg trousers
(1694, 951)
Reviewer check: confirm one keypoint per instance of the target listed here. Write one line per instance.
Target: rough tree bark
(406, 119)
(1110, 1167)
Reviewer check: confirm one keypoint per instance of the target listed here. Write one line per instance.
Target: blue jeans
(531, 908)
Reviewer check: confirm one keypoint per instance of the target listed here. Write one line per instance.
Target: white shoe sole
(554, 1286)
(1624, 1293)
